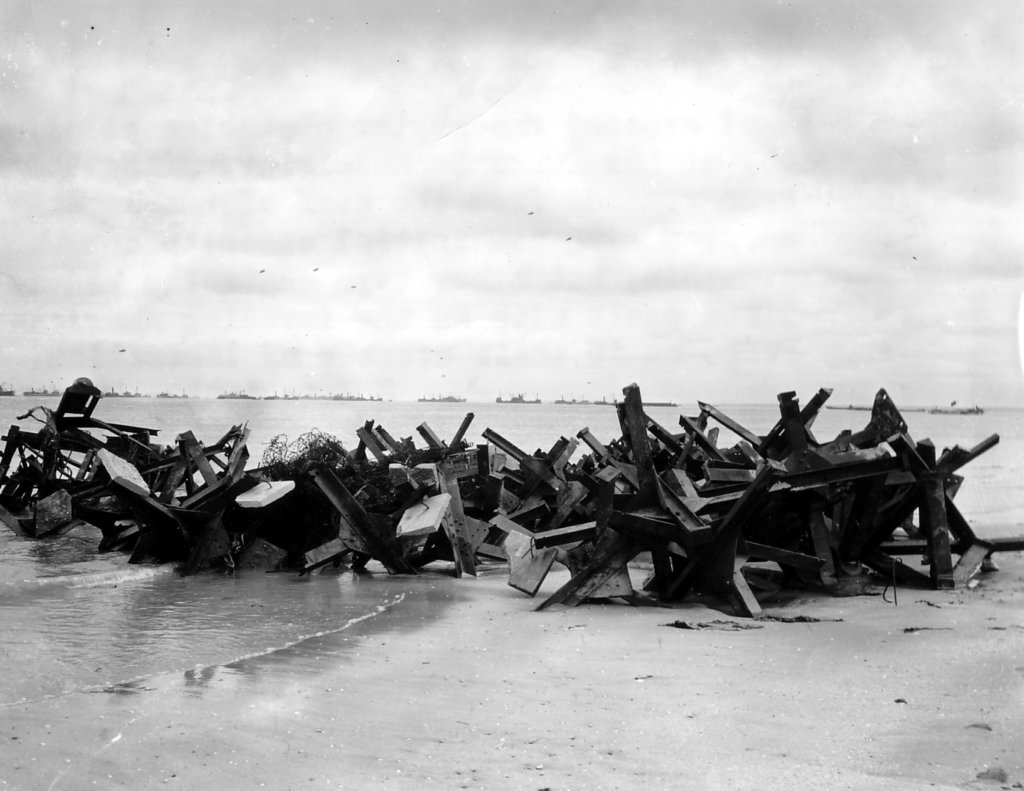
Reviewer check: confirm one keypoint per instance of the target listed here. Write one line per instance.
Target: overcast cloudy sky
(717, 200)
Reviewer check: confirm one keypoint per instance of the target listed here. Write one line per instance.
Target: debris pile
(163, 503)
(819, 511)
(718, 520)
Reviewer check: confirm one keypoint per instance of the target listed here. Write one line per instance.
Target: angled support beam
(724, 542)
(698, 438)
(378, 542)
(934, 523)
(455, 525)
(456, 442)
(636, 426)
(432, 440)
(737, 429)
(611, 554)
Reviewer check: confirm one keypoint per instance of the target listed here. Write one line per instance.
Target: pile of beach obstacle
(707, 519)
(779, 508)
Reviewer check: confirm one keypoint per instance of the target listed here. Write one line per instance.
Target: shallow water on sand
(74, 619)
(100, 629)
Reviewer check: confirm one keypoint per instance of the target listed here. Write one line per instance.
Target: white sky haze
(715, 200)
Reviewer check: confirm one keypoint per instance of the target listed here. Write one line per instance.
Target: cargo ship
(448, 399)
(953, 409)
(516, 399)
(649, 403)
(350, 397)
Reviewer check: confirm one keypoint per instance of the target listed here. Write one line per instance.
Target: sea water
(75, 619)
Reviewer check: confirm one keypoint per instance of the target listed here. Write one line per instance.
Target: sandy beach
(461, 684)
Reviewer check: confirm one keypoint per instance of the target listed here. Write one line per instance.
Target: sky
(715, 200)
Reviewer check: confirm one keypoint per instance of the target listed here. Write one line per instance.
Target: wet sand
(461, 684)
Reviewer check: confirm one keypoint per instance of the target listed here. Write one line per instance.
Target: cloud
(751, 195)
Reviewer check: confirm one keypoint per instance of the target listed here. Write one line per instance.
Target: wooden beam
(822, 545)
(503, 444)
(610, 556)
(571, 495)
(639, 442)
(695, 530)
(192, 450)
(729, 423)
(502, 522)
(371, 441)
(528, 565)
(647, 528)
(725, 537)
(432, 440)
(456, 442)
(384, 437)
(891, 569)
(378, 542)
(455, 524)
(564, 535)
(856, 529)
(958, 457)
(838, 473)
(784, 557)
(934, 524)
(699, 438)
(969, 563)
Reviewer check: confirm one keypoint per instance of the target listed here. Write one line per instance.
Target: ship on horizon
(42, 391)
(865, 408)
(519, 398)
(582, 402)
(448, 399)
(646, 403)
(125, 394)
(6, 390)
(953, 409)
(350, 397)
(240, 396)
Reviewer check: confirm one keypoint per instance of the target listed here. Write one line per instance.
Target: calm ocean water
(73, 619)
